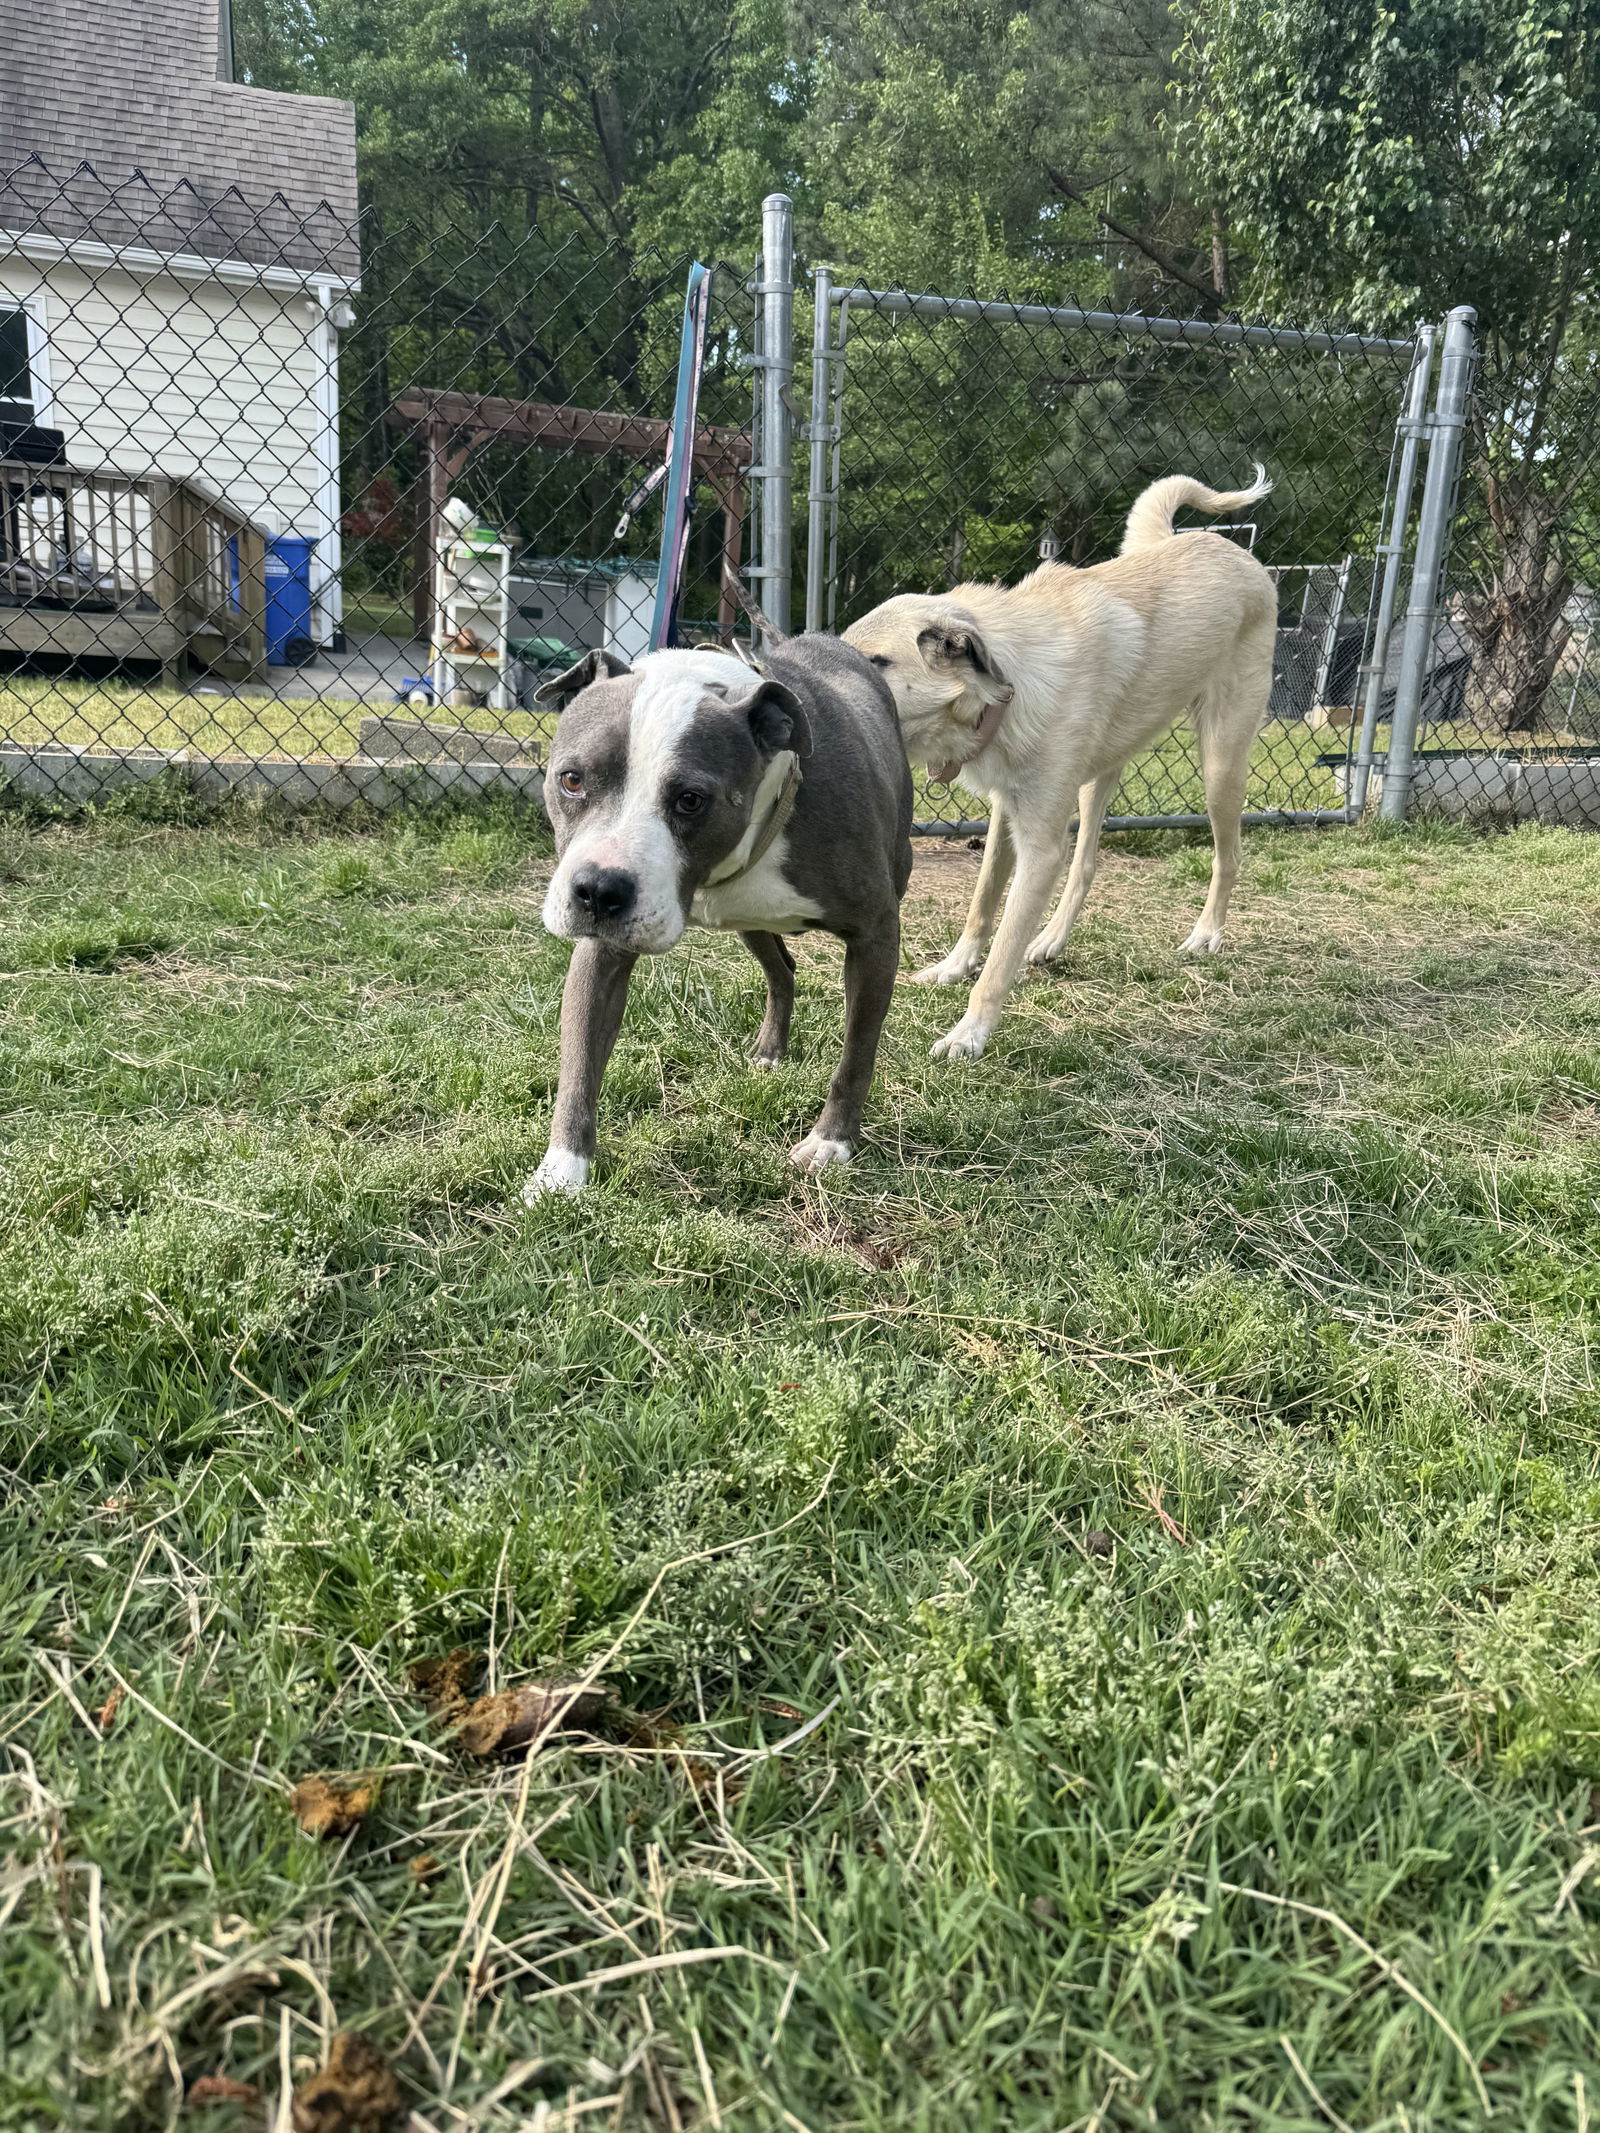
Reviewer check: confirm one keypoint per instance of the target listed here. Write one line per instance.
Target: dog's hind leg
(870, 965)
(1229, 719)
(965, 959)
(1093, 800)
(772, 953)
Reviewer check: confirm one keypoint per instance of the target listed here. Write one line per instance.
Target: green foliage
(1401, 159)
(1392, 160)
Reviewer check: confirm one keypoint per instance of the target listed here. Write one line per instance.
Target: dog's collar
(982, 734)
(749, 852)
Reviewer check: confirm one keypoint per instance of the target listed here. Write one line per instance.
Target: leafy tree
(1397, 157)
(1000, 142)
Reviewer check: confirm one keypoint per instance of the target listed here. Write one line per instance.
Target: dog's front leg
(1038, 871)
(965, 959)
(869, 973)
(592, 1001)
(771, 951)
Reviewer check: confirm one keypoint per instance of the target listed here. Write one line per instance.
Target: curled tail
(1150, 520)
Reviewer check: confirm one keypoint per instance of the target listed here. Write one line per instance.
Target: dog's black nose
(604, 892)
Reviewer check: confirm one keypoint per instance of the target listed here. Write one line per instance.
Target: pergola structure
(451, 426)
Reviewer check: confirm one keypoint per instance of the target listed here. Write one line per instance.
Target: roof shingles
(114, 126)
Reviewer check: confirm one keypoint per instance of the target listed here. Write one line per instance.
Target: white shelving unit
(474, 597)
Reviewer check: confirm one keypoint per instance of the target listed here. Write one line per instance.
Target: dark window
(16, 373)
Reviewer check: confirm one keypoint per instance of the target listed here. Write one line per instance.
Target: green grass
(111, 714)
(1168, 1457)
(384, 618)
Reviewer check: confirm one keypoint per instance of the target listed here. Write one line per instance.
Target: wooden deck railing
(100, 565)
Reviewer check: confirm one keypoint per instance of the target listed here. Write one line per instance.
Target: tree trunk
(1515, 618)
(1219, 250)
(958, 554)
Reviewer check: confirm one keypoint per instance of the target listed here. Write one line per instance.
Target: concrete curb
(85, 775)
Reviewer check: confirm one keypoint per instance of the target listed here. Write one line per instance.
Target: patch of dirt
(353, 2093)
(445, 1685)
(499, 1724)
(943, 875)
(333, 1806)
(881, 1250)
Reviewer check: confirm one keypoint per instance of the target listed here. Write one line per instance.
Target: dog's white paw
(765, 1062)
(960, 966)
(814, 1153)
(965, 1041)
(1205, 940)
(561, 1171)
(1045, 948)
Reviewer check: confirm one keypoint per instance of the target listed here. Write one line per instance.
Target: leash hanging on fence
(680, 457)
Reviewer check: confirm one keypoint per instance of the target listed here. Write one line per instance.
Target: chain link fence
(1509, 719)
(295, 503)
(957, 438)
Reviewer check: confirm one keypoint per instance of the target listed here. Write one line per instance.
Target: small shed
(586, 605)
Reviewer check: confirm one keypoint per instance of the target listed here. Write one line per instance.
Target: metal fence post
(1391, 551)
(1446, 429)
(819, 435)
(774, 471)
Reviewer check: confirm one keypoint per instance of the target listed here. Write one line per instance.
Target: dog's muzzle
(614, 904)
(604, 895)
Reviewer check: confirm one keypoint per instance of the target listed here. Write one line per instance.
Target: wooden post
(446, 451)
(253, 602)
(424, 532)
(730, 495)
(169, 577)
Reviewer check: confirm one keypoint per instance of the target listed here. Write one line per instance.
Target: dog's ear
(960, 643)
(777, 716)
(593, 666)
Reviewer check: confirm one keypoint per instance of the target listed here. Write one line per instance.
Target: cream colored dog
(1036, 695)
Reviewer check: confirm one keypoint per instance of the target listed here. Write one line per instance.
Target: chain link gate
(956, 437)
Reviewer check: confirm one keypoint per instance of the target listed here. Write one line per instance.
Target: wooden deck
(108, 566)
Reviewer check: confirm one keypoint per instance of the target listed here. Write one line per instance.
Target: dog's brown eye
(689, 803)
(571, 783)
(881, 659)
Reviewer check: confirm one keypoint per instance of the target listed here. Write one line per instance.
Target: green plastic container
(543, 651)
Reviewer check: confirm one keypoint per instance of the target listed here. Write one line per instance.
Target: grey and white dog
(695, 790)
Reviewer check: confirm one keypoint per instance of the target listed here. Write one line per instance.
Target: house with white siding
(177, 255)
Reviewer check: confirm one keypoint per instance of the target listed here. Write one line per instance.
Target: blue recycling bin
(289, 639)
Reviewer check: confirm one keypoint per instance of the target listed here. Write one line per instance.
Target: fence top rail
(1292, 339)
